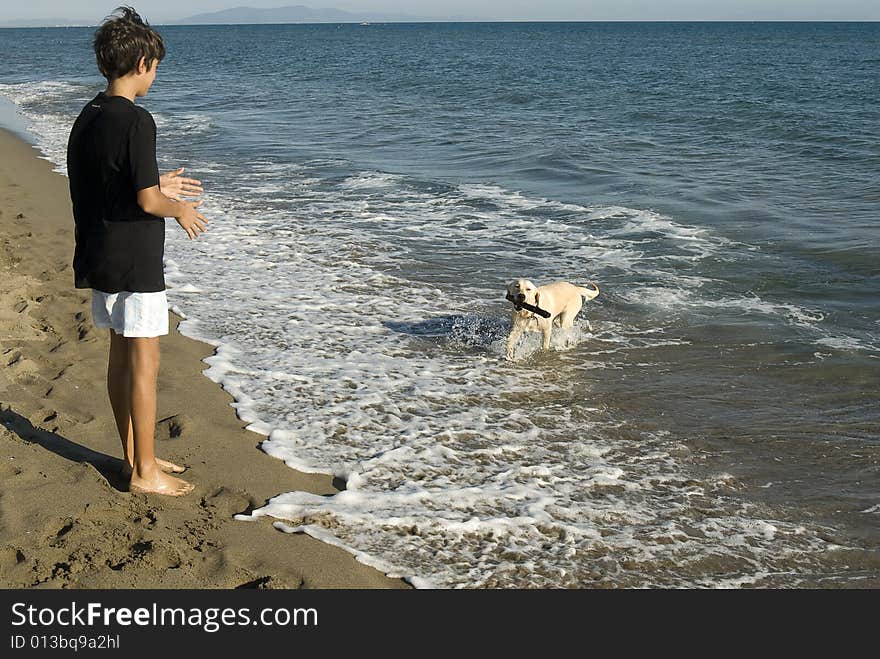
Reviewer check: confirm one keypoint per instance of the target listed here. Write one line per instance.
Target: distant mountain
(246, 15)
(302, 14)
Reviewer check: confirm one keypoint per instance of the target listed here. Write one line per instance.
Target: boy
(119, 206)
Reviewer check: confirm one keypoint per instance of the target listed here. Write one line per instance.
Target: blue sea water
(372, 190)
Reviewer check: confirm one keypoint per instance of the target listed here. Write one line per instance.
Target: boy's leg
(143, 360)
(119, 389)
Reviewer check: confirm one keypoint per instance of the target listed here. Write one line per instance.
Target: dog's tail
(587, 293)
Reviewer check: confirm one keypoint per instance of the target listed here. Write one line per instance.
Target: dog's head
(522, 290)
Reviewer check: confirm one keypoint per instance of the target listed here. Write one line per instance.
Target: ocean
(372, 189)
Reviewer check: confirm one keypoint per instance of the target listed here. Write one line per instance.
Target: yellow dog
(561, 300)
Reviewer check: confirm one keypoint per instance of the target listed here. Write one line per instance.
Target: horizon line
(74, 23)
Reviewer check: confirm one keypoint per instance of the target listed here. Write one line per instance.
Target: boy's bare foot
(164, 465)
(160, 483)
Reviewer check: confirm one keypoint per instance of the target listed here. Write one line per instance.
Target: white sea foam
(369, 180)
(49, 108)
(516, 199)
(27, 94)
(847, 343)
(187, 288)
(806, 318)
(388, 568)
(51, 133)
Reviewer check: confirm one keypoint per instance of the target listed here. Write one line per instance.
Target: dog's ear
(537, 299)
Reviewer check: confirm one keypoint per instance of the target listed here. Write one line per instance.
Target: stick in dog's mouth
(519, 304)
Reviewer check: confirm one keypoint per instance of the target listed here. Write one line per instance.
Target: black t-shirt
(111, 155)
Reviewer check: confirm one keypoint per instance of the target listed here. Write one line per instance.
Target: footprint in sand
(58, 539)
(11, 556)
(85, 329)
(61, 372)
(267, 583)
(8, 469)
(227, 502)
(11, 355)
(86, 333)
(172, 427)
(147, 520)
(24, 371)
(53, 420)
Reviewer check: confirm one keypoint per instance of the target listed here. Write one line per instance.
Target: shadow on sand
(107, 465)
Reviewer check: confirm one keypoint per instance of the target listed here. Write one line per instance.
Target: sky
(157, 11)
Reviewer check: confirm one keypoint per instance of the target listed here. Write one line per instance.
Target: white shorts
(131, 314)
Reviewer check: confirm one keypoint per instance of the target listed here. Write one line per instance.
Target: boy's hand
(191, 220)
(173, 185)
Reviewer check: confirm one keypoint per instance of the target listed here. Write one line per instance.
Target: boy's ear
(142, 65)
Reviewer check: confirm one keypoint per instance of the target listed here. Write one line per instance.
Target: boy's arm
(152, 201)
(145, 178)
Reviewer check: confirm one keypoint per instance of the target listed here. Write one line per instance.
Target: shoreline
(60, 443)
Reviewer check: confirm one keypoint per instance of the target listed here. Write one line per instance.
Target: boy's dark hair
(123, 38)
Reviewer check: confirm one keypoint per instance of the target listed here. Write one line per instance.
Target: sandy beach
(65, 519)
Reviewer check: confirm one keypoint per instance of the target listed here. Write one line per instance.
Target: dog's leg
(567, 324)
(512, 340)
(572, 310)
(566, 320)
(547, 330)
